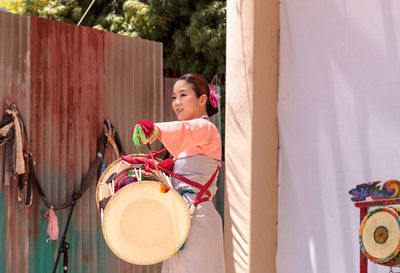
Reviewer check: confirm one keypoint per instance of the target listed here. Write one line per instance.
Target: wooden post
(363, 259)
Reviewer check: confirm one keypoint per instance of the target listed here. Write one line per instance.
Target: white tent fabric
(251, 136)
(339, 125)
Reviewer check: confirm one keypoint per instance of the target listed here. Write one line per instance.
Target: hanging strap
(195, 184)
(29, 176)
(199, 198)
(19, 162)
(86, 180)
(203, 188)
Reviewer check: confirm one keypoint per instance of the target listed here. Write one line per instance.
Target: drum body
(380, 236)
(144, 222)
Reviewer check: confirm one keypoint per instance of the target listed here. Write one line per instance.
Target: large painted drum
(380, 236)
(144, 221)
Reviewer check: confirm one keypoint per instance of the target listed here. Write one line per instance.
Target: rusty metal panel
(133, 91)
(14, 84)
(133, 83)
(66, 75)
(66, 80)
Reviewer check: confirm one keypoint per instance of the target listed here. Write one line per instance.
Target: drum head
(142, 225)
(380, 234)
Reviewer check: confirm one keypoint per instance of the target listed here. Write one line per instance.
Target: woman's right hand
(144, 132)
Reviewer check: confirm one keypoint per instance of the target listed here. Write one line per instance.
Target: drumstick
(151, 154)
(160, 173)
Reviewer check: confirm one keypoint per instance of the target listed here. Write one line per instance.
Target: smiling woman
(185, 102)
(192, 98)
(195, 144)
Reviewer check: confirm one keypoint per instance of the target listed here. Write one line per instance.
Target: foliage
(13, 6)
(63, 10)
(192, 32)
(199, 44)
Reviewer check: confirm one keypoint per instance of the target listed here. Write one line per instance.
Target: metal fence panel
(66, 80)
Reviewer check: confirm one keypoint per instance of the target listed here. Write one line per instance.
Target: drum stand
(64, 246)
(363, 212)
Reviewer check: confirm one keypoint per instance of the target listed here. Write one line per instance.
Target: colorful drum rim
(393, 212)
(110, 170)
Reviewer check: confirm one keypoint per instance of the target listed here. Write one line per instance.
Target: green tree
(68, 11)
(13, 6)
(198, 38)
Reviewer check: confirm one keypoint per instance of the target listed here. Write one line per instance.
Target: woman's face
(185, 103)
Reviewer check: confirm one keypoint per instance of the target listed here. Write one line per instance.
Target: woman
(195, 145)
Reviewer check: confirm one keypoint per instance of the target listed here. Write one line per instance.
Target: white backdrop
(339, 124)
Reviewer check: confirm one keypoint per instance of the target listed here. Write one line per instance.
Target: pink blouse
(192, 137)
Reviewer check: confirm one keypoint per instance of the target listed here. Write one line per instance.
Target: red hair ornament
(214, 97)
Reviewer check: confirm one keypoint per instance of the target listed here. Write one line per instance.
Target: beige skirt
(204, 249)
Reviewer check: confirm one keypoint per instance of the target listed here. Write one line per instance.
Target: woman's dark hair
(200, 87)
